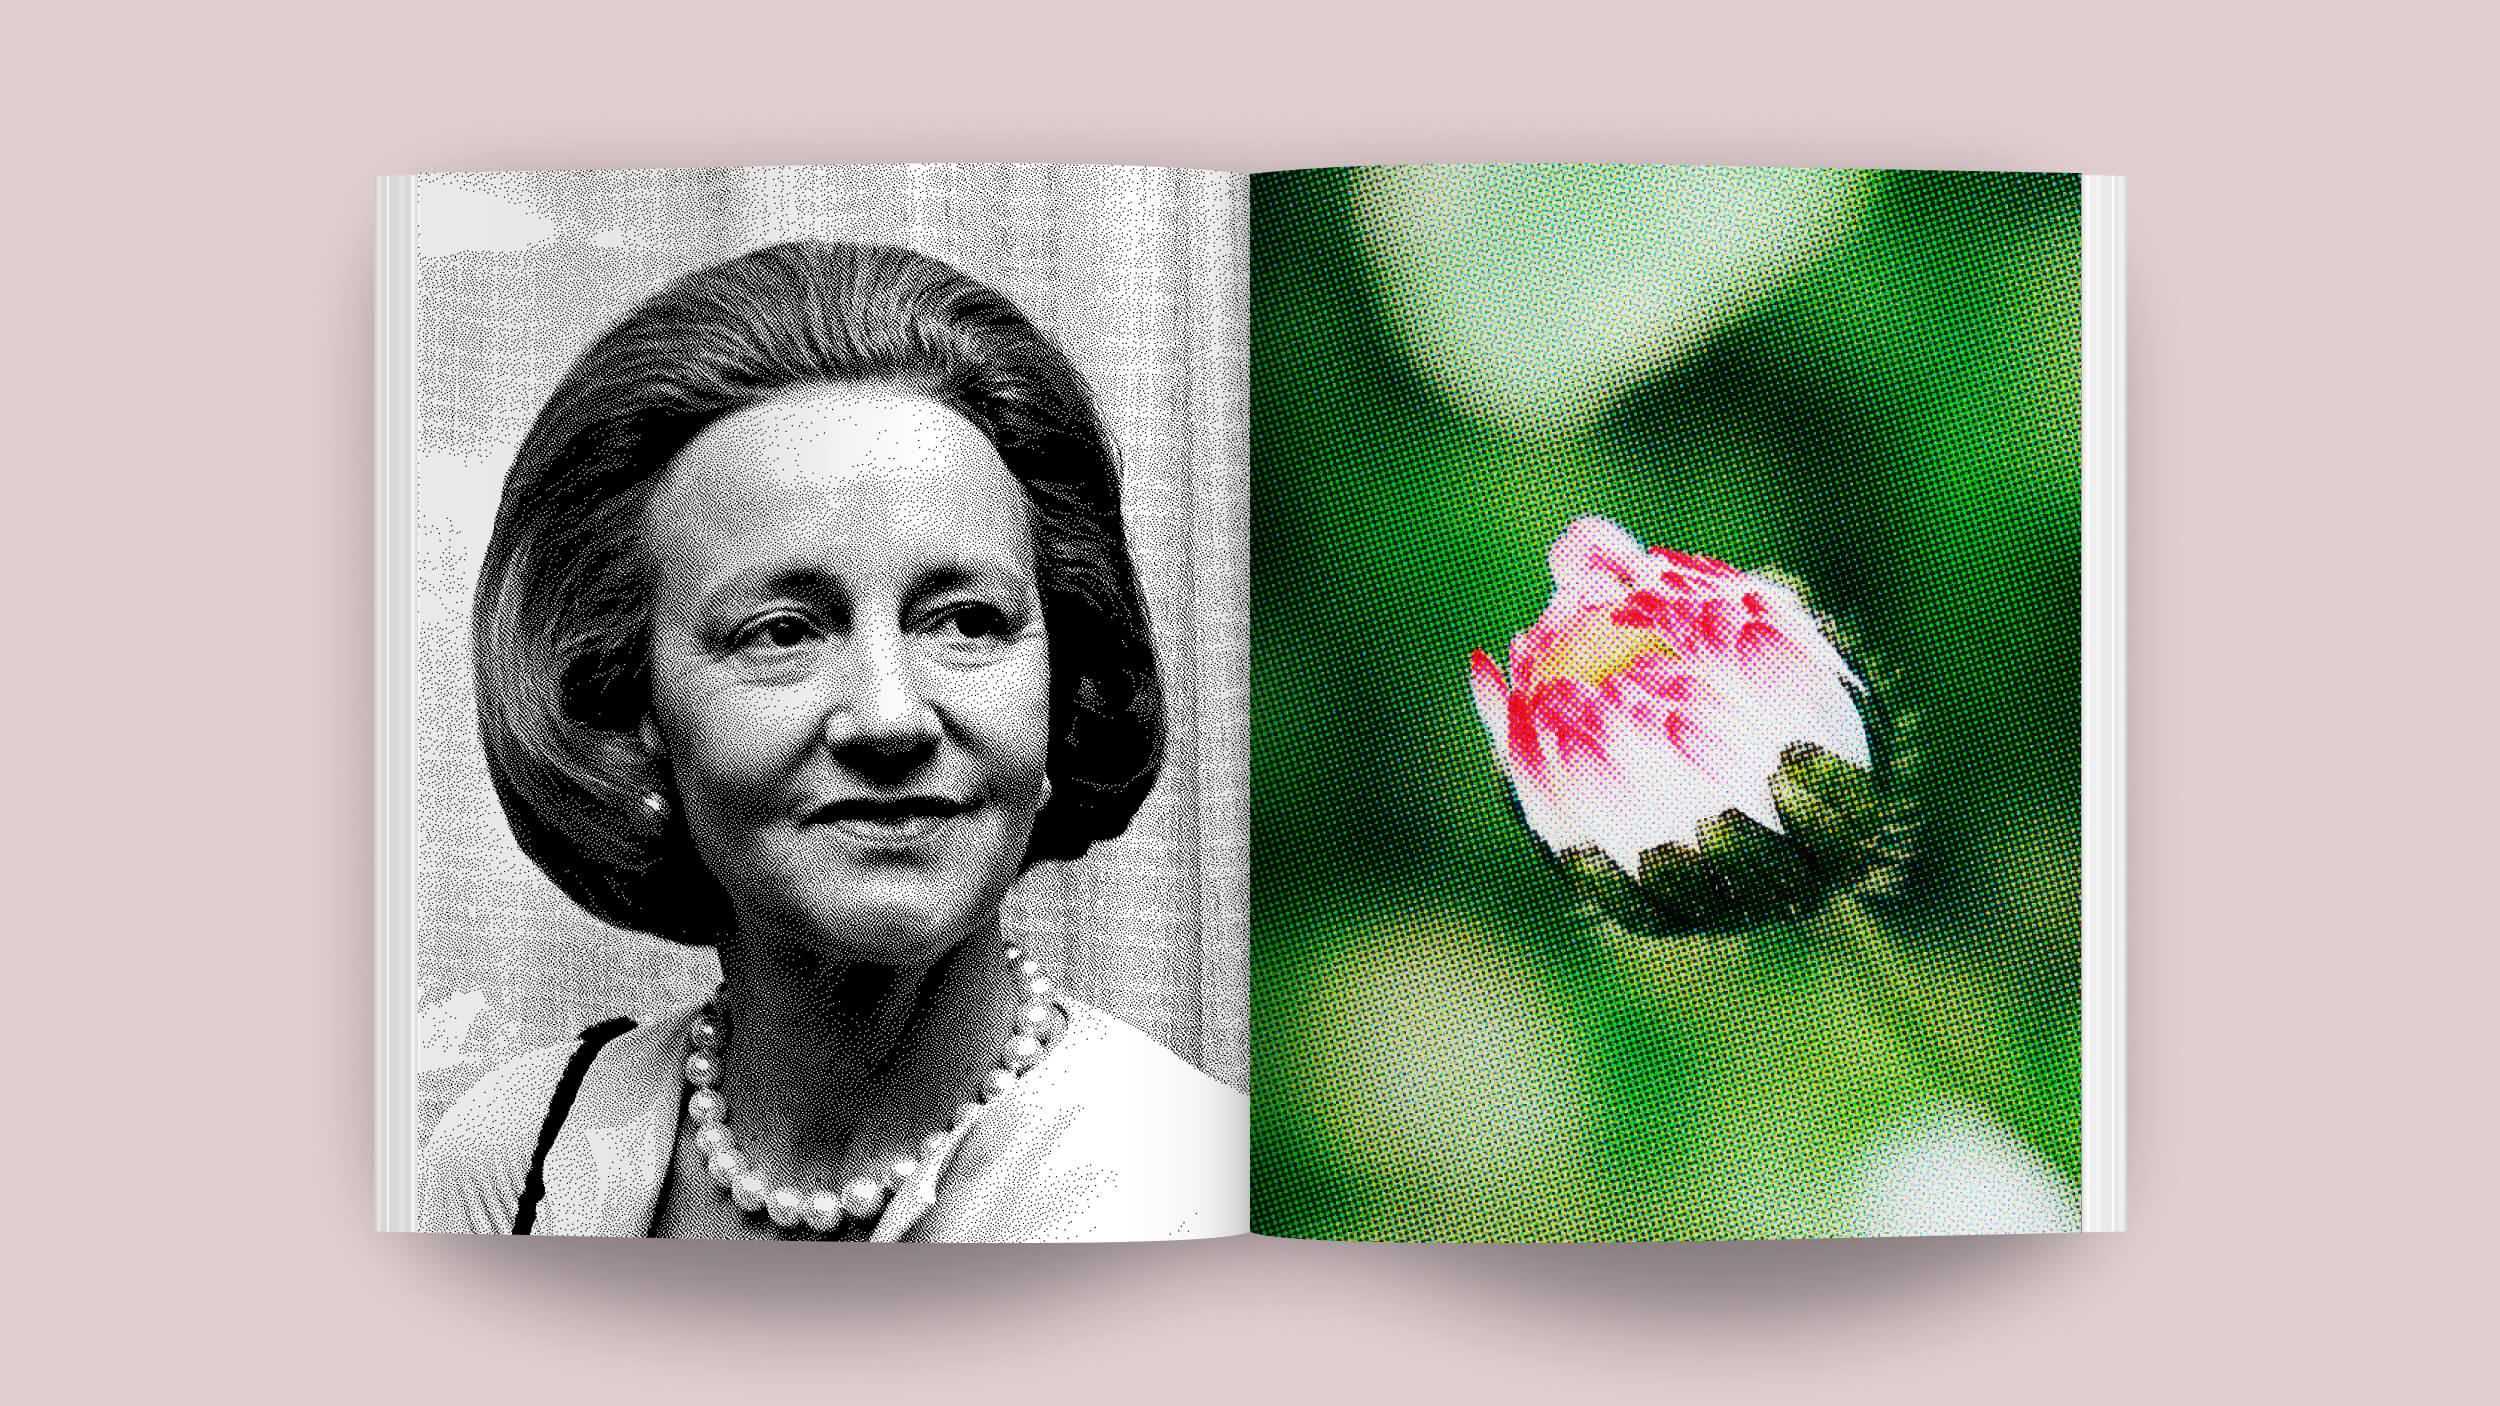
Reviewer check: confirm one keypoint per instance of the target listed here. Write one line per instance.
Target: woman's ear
(655, 765)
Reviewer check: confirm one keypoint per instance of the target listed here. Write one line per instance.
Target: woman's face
(849, 677)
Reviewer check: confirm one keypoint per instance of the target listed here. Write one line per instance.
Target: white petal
(1575, 557)
(1552, 821)
(1657, 796)
(1843, 733)
(1618, 820)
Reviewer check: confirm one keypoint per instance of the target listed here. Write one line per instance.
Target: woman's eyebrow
(974, 570)
(803, 580)
(813, 581)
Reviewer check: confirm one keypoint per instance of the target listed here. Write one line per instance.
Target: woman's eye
(975, 623)
(776, 632)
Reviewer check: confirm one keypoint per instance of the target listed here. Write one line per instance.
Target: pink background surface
(189, 702)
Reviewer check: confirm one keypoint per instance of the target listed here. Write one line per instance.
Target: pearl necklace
(864, 1196)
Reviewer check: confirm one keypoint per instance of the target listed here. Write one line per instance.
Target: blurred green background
(1867, 379)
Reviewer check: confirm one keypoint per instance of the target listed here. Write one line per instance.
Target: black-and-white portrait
(827, 703)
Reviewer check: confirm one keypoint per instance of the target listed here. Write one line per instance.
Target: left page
(812, 681)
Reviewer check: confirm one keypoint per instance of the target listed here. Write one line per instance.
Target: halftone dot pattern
(1133, 271)
(1444, 1048)
(1535, 294)
(1480, 1081)
(1949, 1169)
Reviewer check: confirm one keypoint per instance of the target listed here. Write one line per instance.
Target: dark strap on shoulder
(534, 1186)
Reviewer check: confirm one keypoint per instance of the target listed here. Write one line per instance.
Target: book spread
(1021, 703)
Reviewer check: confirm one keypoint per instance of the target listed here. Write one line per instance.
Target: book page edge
(394, 425)
(2104, 891)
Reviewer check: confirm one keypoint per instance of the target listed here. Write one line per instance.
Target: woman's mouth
(903, 820)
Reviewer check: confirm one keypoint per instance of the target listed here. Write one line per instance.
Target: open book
(1016, 703)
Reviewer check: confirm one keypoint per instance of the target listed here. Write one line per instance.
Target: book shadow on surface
(1776, 1286)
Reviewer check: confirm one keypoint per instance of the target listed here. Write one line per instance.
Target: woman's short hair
(563, 602)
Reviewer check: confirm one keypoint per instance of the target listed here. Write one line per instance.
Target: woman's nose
(883, 709)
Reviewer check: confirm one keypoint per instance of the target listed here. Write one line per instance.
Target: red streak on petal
(1481, 668)
(1602, 556)
(1574, 744)
(1562, 710)
(1707, 566)
(1698, 743)
(1573, 714)
(1523, 736)
(1712, 615)
(1761, 648)
(1697, 626)
(1679, 734)
(1653, 673)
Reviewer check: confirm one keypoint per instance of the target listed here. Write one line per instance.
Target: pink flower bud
(1685, 740)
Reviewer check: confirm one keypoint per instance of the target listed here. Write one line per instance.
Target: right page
(1670, 739)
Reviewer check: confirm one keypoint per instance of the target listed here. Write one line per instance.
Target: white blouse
(1110, 1137)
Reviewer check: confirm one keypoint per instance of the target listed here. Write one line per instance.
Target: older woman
(808, 625)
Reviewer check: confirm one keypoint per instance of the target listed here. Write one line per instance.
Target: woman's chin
(896, 934)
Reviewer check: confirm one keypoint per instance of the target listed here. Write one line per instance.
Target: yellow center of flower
(1598, 649)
